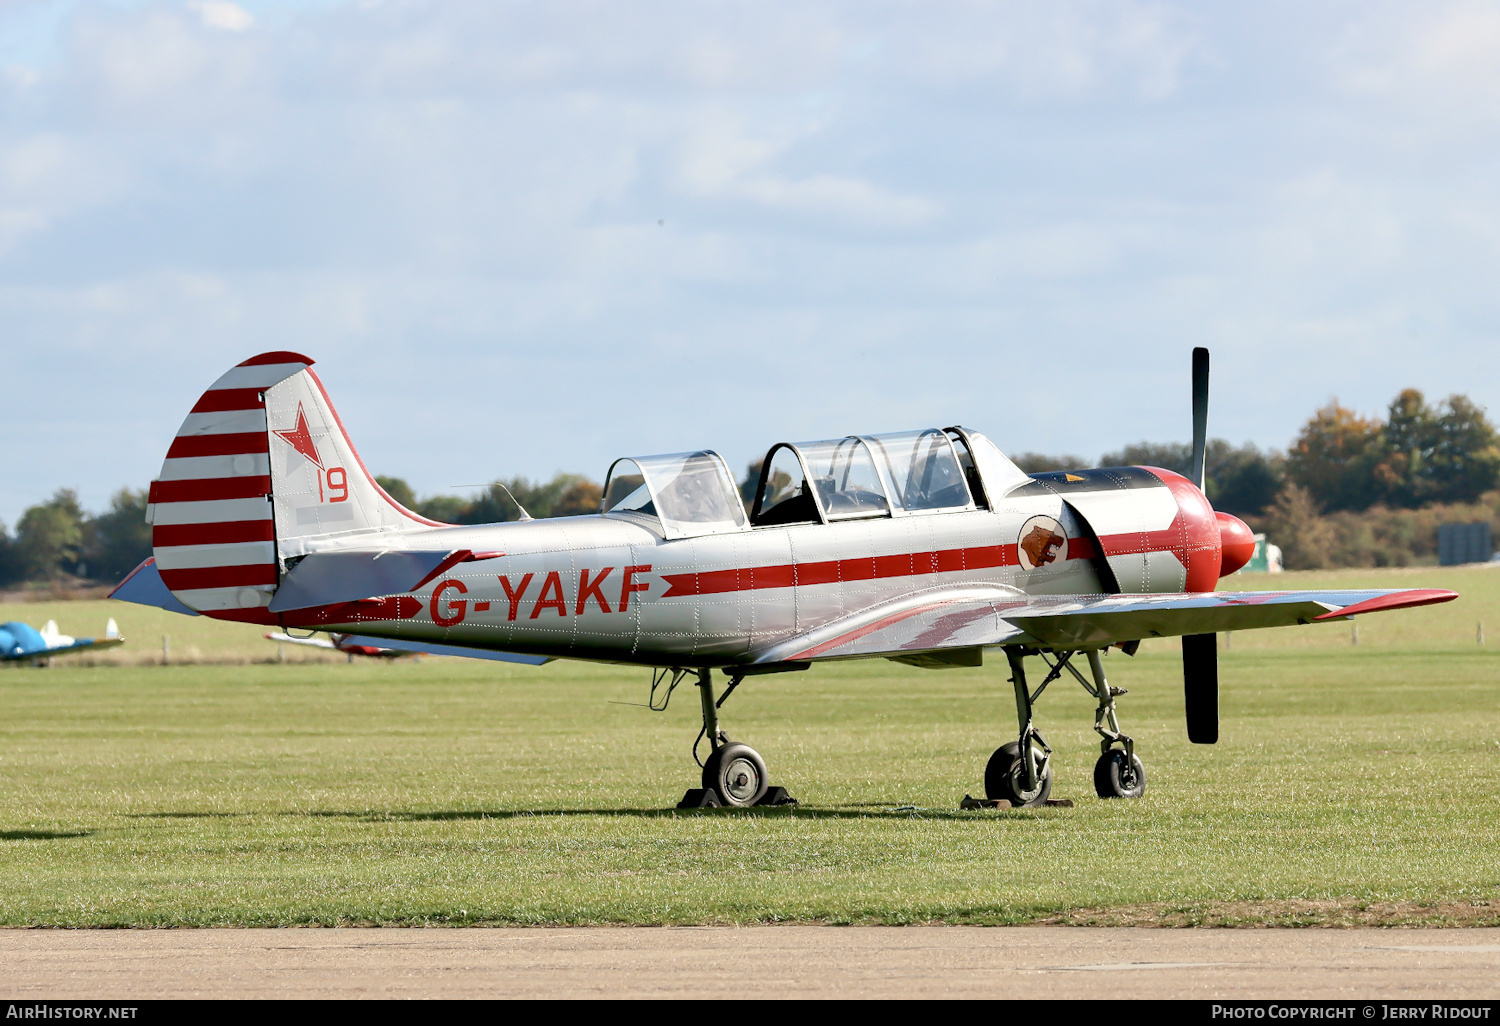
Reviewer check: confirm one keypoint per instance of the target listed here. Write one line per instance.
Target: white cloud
(221, 14)
(1441, 59)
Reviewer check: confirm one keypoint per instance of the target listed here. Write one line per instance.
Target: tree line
(1417, 456)
(1349, 491)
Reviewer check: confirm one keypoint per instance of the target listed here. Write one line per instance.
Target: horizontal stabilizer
(328, 578)
(403, 645)
(145, 587)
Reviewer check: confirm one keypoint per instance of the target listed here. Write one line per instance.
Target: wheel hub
(741, 780)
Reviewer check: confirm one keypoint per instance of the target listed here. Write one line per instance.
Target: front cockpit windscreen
(690, 493)
(923, 469)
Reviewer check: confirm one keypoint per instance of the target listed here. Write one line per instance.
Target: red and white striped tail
(260, 471)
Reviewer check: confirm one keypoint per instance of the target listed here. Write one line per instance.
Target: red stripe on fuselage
(869, 568)
(910, 564)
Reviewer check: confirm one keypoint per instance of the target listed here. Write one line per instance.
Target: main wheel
(1115, 776)
(1003, 778)
(736, 773)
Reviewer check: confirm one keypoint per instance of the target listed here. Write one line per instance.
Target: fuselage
(612, 587)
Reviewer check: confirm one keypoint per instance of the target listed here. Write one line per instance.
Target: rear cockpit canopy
(688, 493)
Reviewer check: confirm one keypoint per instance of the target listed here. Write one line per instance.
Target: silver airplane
(926, 547)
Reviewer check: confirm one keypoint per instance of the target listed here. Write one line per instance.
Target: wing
(947, 627)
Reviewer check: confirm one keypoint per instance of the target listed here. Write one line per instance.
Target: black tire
(1002, 778)
(1115, 778)
(737, 774)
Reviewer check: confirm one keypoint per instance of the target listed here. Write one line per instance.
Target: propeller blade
(1200, 414)
(1200, 687)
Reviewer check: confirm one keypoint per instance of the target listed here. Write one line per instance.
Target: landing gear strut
(734, 774)
(1020, 771)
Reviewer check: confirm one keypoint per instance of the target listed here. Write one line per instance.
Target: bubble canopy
(689, 493)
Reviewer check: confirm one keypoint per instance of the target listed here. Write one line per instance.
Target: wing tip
(1394, 600)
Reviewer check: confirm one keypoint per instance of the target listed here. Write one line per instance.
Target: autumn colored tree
(1335, 456)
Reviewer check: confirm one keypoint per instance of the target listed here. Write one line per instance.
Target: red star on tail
(300, 438)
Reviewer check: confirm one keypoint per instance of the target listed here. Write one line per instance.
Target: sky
(523, 237)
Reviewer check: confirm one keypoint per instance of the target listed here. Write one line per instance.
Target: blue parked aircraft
(20, 641)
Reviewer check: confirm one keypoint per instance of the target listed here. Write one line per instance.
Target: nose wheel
(1119, 774)
(1020, 772)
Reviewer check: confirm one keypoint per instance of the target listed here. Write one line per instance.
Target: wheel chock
(970, 802)
(704, 798)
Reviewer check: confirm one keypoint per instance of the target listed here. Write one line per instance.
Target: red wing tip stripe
(247, 443)
(223, 400)
(207, 489)
(856, 634)
(219, 577)
(1396, 600)
(279, 356)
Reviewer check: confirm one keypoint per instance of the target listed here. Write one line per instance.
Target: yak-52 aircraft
(21, 642)
(926, 547)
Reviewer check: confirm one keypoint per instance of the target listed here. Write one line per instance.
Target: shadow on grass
(187, 815)
(767, 812)
(41, 835)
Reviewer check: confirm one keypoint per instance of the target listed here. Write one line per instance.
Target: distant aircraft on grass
(19, 641)
(925, 547)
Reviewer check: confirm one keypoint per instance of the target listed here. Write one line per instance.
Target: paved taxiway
(767, 962)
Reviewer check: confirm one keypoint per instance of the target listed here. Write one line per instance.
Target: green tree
(564, 495)
(1041, 463)
(1241, 480)
(50, 537)
(118, 540)
(399, 490)
(445, 509)
(10, 558)
(1465, 459)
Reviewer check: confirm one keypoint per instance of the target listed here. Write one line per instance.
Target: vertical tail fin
(260, 469)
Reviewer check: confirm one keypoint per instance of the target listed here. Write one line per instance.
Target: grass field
(1353, 784)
